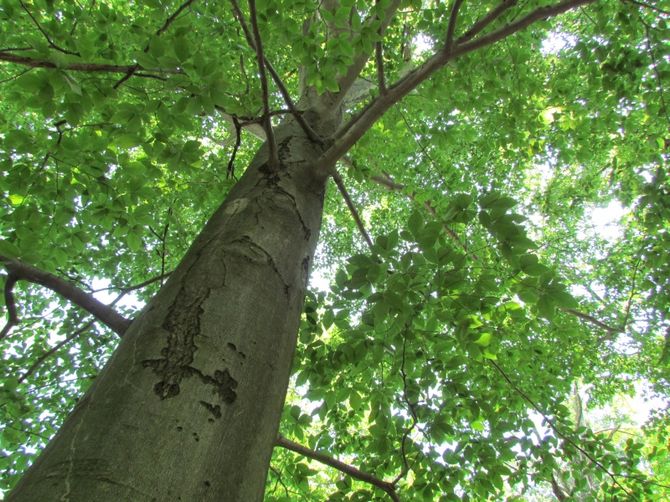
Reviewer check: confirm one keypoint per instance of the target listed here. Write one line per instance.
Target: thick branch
(340, 466)
(354, 212)
(361, 123)
(12, 317)
(108, 316)
(357, 66)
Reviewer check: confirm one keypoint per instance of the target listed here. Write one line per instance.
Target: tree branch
(174, 15)
(260, 58)
(452, 26)
(277, 79)
(86, 67)
(354, 212)
(589, 318)
(38, 362)
(12, 317)
(340, 466)
(46, 35)
(254, 41)
(357, 66)
(555, 428)
(351, 132)
(483, 22)
(105, 314)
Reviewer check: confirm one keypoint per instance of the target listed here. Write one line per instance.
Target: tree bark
(188, 407)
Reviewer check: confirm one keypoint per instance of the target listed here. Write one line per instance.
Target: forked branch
(351, 132)
(347, 469)
(22, 271)
(253, 38)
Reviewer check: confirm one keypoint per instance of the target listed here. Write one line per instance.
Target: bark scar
(183, 326)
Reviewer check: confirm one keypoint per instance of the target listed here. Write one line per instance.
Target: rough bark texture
(189, 405)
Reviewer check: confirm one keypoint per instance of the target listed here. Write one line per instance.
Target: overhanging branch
(86, 67)
(105, 314)
(351, 132)
(347, 469)
(352, 208)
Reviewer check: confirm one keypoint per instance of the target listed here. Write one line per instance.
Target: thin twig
(555, 428)
(379, 60)
(311, 134)
(133, 70)
(354, 212)
(53, 350)
(347, 469)
(273, 160)
(46, 35)
(410, 407)
(649, 6)
(174, 15)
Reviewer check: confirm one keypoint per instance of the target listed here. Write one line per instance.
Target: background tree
(472, 144)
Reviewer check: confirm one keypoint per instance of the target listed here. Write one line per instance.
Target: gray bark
(189, 405)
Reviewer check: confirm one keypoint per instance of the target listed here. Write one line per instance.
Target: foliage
(444, 356)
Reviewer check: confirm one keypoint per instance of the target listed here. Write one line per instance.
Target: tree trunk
(189, 405)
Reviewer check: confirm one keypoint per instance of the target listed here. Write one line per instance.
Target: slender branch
(87, 67)
(379, 59)
(340, 466)
(46, 35)
(410, 407)
(452, 25)
(553, 426)
(649, 6)
(254, 40)
(230, 171)
(53, 350)
(107, 315)
(589, 318)
(354, 212)
(537, 15)
(275, 76)
(273, 160)
(483, 22)
(133, 71)
(351, 132)
(174, 15)
(387, 182)
(128, 289)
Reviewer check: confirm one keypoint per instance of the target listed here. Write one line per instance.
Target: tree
(473, 140)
